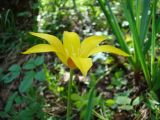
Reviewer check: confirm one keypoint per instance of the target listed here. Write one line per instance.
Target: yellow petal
(40, 48)
(71, 43)
(90, 43)
(53, 40)
(84, 64)
(108, 49)
(62, 57)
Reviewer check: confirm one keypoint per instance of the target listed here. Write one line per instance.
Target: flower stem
(69, 107)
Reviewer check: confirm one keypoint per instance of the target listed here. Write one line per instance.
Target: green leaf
(126, 107)
(11, 76)
(18, 100)
(40, 75)
(145, 20)
(137, 101)
(110, 102)
(29, 65)
(15, 68)
(90, 104)
(123, 100)
(126, 4)
(10, 102)
(27, 81)
(75, 97)
(39, 60)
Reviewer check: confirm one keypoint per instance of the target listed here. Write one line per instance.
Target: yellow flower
(72, 52)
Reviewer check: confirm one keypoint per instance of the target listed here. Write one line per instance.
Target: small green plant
(139, 30)
(30, 107)
(141, 15)
(31, 73)
(26, 98)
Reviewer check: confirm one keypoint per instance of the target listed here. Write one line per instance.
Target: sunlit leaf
(123, 100)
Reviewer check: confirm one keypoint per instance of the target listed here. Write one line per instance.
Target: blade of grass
(138, 13)
(129, 15)
(90, 104)
(92, 94)
(153, 37)
(145, 20)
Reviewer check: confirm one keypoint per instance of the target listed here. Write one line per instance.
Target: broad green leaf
(13, 74)
(39, 60)
(14, 68)
(10, 76)
(10, 102)
(29, 64)
(137, 101)
(40, 75)
(123, 100)
(27, 81)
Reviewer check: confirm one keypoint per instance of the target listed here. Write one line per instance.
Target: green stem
(69, 107)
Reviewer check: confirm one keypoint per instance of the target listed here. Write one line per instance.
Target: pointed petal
(84, 64)
(108, 49)
(90, 43)
(40, 48)
(71, 43)
(53, 40)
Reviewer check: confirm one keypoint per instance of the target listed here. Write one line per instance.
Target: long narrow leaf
(153, 37)
(90, 104)
(138, 48)
(138, 13)
(145, 20)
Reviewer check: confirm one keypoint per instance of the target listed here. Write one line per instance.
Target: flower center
(71, 63)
